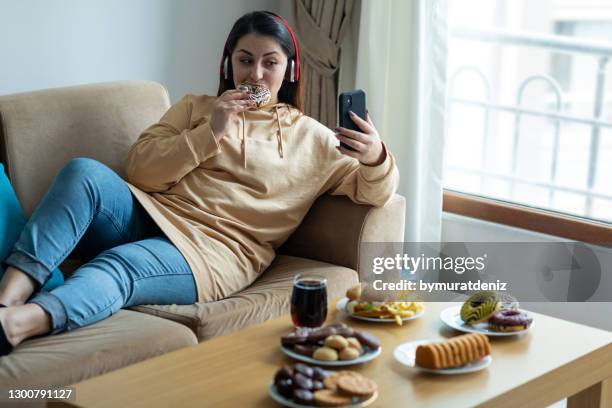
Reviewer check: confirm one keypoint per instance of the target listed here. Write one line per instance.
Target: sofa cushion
(266, 298)
(41, 131)
(123, 339)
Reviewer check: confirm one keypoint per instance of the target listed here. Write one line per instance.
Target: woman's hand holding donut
(367, 144)
(225, 108)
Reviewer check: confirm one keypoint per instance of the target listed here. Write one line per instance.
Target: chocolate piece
(317, 385)
(321, 334)
(368, 340)
(304, 349)
(301, 381)
(282, 374)
(297, 336)
(345, 331)
(303, 397)
(303, 369)
(319, 374)
(285, 387)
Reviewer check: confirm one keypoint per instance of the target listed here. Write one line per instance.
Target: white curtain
(401, 64)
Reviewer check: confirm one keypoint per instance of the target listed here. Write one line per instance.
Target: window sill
(532, 219)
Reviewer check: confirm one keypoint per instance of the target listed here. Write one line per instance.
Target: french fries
(385, 310)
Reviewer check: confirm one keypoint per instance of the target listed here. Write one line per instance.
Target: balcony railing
(552, 43)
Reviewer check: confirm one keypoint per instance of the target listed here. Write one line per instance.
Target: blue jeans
(129, 260)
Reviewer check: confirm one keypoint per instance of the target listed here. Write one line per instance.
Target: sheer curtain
(401, 64)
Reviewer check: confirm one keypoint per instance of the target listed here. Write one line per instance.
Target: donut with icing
(257, 93)
(510, 320)
(479, 307)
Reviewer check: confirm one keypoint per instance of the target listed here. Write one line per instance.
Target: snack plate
(405, 354)
(288, 403)
(452, 318)
(341, 307)
(370, 355)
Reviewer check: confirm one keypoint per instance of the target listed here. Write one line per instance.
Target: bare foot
(16, 287)
(22, 322)
(7, 327)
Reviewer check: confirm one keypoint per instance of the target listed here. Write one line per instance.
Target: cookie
(325, 354)
(356, 385)
(330, 382)
(329, 398)
(354, 343)
(336, 342)
(348, 353)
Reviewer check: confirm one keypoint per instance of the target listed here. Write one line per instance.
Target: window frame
(528, 218)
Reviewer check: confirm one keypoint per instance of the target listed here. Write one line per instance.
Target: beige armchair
(40, 131)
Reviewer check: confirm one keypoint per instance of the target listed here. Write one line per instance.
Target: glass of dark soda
(309, 301)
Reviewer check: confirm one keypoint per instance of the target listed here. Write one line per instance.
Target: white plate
(370, 355)
(341, 307)
(452, 318)
(405, 354)
(289, 403)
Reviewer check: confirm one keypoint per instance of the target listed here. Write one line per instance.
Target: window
(529, 110)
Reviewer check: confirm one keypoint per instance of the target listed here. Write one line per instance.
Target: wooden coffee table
(556, 359)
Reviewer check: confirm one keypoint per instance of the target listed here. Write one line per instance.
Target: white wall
(456, 228)
(53, 43)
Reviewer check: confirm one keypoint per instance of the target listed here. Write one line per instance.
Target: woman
(215, 187)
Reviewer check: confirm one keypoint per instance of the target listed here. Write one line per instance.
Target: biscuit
(348, 353)
(336, 342)
(329, 398)
(353, 342)
(330, 382)
(356, 385)
(325, 354)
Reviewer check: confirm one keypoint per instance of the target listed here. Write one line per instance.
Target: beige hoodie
(228, 206)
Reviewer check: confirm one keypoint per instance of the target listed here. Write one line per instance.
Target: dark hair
(263, 23)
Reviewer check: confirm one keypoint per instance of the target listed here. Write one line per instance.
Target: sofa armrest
(335, 227)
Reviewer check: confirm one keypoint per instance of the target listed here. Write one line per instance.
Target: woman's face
(259, 59)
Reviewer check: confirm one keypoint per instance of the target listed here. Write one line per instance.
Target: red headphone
(294, 63)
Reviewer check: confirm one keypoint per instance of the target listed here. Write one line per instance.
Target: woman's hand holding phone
(368, 148)
(225, 109)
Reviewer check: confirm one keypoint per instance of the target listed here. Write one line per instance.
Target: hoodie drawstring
(279, 136)
(243, 141)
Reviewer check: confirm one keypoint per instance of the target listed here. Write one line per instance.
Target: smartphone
(351, 101)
